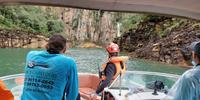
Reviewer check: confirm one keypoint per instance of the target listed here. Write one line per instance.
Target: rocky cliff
(21, 39)
(88, 25)
(163, 39)
(79, 25)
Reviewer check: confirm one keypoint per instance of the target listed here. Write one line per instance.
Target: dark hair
(197, 49)
(114, 54)
(55, 44)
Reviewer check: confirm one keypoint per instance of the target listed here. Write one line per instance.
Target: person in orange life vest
(5, 93)
(112, 68)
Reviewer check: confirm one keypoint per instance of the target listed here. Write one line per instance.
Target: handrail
(155, 73)
(11, 76)
(135, 72)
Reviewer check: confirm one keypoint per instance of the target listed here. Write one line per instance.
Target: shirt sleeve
(184, 88)
(72, 85)
(28, 57)
(109, 71)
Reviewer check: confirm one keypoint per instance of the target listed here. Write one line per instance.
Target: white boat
(131, 86)
(127, 86)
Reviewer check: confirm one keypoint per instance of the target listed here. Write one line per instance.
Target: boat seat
(88, 85)
(19, 80)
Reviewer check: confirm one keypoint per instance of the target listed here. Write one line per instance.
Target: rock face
(88, 45)
(21, 39)
(87, 25)
(171, 48)
(80, 26)
(174, 49)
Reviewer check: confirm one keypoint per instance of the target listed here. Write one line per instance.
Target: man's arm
(72, 86)
(110, 71)
(185, 89)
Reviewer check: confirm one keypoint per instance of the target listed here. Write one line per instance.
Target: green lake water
(12, 61)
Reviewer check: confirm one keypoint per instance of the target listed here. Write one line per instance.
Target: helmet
(112, 48)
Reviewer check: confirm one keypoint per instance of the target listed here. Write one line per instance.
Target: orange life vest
(120, 66)
(5, 93)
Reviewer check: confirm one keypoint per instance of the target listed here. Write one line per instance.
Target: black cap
(195, 46)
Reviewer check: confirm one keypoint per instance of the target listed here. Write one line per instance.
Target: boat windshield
(141, 79)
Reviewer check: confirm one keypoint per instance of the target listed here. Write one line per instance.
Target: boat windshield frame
(112, 85)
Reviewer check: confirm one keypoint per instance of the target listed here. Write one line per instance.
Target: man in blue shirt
(50, 75)
(188, 85)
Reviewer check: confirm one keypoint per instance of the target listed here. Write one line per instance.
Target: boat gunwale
(7, 77)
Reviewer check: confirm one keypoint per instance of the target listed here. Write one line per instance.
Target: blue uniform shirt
(188, 86)
(49, 77)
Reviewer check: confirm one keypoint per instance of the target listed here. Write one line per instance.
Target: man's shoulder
(66, 58)
(36, 51)
(110, 64)
(191, 72)
(33, 53)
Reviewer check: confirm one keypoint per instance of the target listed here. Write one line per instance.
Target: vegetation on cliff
(30, 18)
(77, 25)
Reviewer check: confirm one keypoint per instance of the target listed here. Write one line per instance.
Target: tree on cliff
(30, 18)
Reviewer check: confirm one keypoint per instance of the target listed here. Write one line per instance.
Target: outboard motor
(158, 85)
